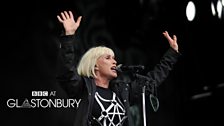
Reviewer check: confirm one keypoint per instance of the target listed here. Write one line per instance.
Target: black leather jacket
(83, 88)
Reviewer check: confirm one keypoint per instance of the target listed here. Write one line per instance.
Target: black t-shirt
(108, 110)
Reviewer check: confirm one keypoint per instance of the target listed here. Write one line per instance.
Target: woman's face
(106, 66)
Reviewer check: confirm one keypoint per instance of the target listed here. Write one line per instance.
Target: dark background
(133, 28)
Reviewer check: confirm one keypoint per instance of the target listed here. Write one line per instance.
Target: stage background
(192, 94)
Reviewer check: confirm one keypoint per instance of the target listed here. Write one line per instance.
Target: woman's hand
(69, 24)
(172, 41)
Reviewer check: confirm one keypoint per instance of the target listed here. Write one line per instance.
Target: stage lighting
(219, 9)
(190, 11)
(213, 9)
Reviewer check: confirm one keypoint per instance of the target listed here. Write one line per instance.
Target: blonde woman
(102, 103)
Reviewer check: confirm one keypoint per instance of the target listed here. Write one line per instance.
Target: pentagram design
(114, 111)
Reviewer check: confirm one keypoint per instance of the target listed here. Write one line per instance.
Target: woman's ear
(96, 67)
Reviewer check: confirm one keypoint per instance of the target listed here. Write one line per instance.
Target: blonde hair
(86, 66)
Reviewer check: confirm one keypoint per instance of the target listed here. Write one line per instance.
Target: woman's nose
(114, 61)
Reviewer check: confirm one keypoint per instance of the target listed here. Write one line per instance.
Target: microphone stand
(143, 98)
(147, 81)
(153, 99)
(143, 106)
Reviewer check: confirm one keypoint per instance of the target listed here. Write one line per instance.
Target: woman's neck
(102, 82)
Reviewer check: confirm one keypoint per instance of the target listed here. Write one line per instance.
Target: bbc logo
(39, 93)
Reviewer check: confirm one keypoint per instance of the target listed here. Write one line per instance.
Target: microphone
(132, 68)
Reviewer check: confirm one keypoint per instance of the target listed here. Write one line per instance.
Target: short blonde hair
(86, 66)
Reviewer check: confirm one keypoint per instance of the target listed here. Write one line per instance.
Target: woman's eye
(107, 57)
